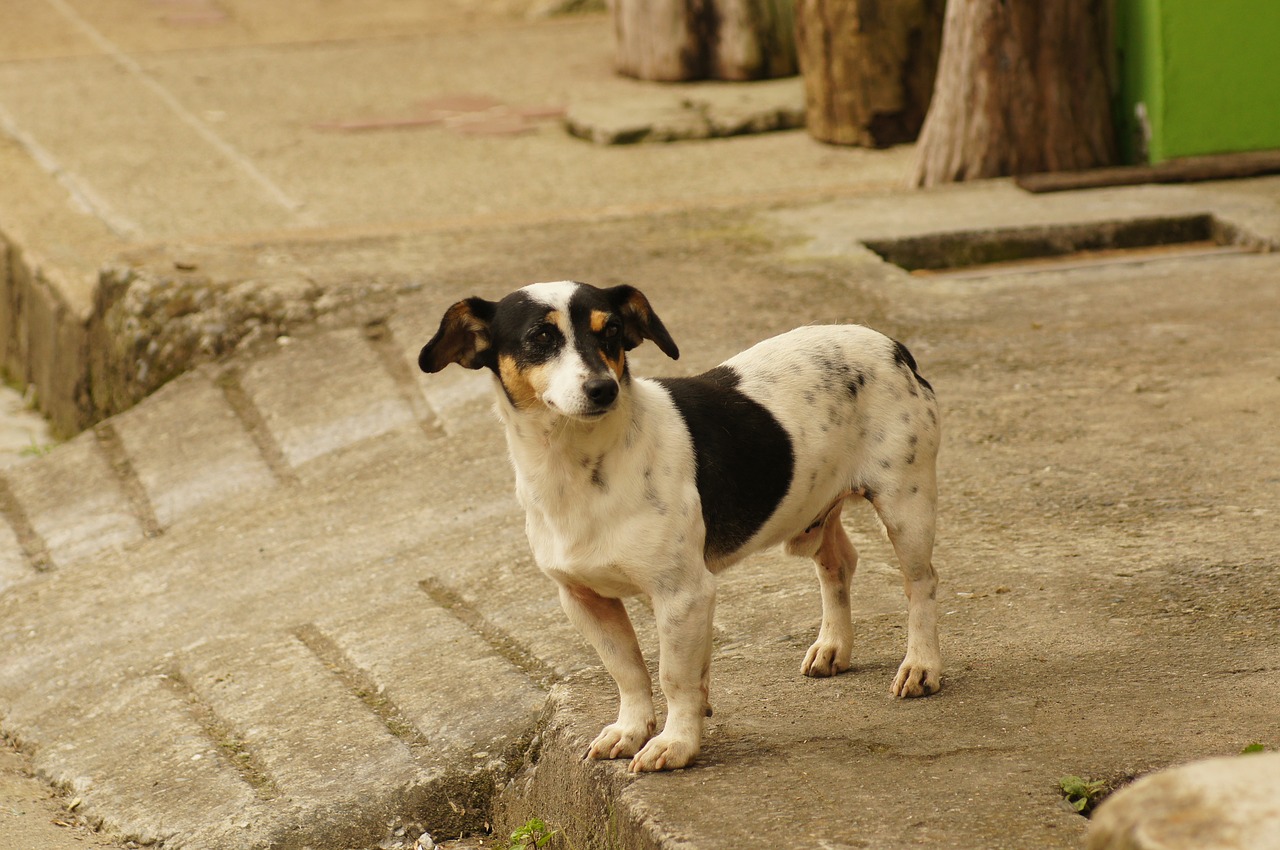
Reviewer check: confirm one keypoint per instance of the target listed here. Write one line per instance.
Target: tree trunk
(674, 40)
(1021, 88)
(868, 67)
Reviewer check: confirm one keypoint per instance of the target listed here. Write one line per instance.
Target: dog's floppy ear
(639, 322)
(463, 337)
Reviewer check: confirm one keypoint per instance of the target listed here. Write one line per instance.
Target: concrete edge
(45, 342)
(588, 801)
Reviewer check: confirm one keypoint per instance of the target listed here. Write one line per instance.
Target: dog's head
(557, 346)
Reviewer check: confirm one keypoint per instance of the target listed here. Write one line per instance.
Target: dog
(640, 486)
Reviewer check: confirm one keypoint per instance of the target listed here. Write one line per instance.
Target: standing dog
(637, 486)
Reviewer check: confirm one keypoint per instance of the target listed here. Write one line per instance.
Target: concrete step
(324, 393)
(72, 504)
(326, 768)
(189, 449)
(360, 702)
(143, 766)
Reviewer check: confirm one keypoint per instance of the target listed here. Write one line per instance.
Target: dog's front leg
(604, 622)
(684, 621)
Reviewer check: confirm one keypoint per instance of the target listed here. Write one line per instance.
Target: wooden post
(1021, 88)
(868, 67)
(675, 40)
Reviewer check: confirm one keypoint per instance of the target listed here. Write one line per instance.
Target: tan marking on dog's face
(616, 366)
(599, 319)
(524, 386)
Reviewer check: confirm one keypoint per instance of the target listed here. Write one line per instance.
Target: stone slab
(466, 700)
(73, 500)
(685, 113)
(323, 393)
(152, 773)
(189, 449)
(334, 765)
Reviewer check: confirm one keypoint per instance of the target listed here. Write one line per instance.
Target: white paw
(665, 752)
(826, 658)
(917, 679)
(617, 741)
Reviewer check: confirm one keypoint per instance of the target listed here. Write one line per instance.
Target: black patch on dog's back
(744, 456)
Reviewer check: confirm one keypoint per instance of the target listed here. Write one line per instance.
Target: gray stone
(682, 113)
(1216, 804)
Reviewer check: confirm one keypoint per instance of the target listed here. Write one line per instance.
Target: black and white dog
(638, 486)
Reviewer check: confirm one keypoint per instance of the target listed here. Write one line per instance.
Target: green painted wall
(1206, 72)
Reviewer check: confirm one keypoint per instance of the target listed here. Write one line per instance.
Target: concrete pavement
(286, 601)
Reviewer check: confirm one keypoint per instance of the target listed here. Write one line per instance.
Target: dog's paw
(617, 741)
(825, 658)
(665, 752)
(917, 679)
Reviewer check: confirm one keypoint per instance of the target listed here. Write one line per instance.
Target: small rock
(1218, 804)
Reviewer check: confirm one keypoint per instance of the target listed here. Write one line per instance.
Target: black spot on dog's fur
(597, 476)
(744, 456)
(857, 382)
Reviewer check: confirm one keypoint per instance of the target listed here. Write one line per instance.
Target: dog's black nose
(601, 391)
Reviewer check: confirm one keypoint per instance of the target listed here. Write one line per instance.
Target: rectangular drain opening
(1020, 250)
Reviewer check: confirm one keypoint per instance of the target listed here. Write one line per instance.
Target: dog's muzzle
(601, 392)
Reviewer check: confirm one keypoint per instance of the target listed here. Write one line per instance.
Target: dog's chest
(609, 518)
(590, 511)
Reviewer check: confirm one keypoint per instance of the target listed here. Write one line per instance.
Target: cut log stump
(868, 66)
(674, 40)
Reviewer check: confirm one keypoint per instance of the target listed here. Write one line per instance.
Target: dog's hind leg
(908, 515)
(836, 560)
(604, 622)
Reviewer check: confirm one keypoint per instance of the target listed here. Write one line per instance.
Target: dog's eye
(611, 330)
(542, 337)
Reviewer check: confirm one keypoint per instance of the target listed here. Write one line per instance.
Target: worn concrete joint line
(501, 642)
(117, 456)
(359, 683)
(170, 100)
(33, 546)
(82, 194)
(230, 746)
(378, 335)
(255, 424)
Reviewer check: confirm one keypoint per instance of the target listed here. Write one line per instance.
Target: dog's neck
(542, 439)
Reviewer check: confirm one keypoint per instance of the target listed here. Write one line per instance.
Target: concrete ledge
(590, 800)
(1217, 804)
(42, 335)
